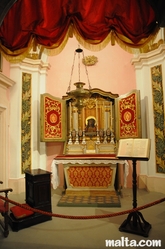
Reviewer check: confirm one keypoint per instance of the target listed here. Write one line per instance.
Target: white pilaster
(5, 84)
(38, 70)
(143, 63)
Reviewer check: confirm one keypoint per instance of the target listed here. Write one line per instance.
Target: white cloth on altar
(55, 176)
(54, 168)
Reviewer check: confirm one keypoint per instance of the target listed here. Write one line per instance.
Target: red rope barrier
(84, 217)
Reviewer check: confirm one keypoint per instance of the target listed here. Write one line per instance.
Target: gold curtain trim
(17, 55)
(92, 45)
(140, 47)
(57, 48)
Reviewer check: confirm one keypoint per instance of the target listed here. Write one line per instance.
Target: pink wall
(113, 72)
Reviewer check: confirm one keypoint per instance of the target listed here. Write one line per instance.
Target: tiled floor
(88, 234)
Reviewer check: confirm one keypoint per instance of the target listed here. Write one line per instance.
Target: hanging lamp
(80, 93)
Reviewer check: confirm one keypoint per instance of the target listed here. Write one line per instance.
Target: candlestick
(105, 118)
(108, 116)
(83, 116)
(96, 115)
(111, 115)
(75, 119)
(103, 115)
(70, 115)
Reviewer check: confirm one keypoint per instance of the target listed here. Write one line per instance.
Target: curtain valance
(95, 23)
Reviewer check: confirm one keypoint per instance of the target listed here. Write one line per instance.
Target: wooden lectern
(135, 149)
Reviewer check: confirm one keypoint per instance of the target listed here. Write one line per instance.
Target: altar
(87, 173)
(90, 124)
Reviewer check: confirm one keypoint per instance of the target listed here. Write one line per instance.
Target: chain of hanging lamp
(86, 72)
(70, 81)
(78, 51)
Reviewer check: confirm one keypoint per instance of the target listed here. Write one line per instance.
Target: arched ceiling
(24, 24)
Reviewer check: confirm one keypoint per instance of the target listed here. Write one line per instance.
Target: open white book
(134, 148)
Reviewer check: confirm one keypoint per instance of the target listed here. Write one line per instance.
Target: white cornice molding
(152, 57)
(32, 65)
(5, 81)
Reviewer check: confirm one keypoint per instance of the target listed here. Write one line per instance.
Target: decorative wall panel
(128, 115)
(92, 176)
(26, 122)
(53, 116)
(159, 121)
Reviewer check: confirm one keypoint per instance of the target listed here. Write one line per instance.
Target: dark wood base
(18, 224)
(136, 224)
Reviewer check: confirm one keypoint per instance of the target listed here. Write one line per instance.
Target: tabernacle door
(128, 115)
(53, 118)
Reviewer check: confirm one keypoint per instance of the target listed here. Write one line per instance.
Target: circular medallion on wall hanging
(127, 116)
(52, 118)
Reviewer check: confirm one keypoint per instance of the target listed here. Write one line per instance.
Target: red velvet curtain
(48, 21)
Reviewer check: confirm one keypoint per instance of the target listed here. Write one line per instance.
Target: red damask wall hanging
(53, 114)
(128, 115)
